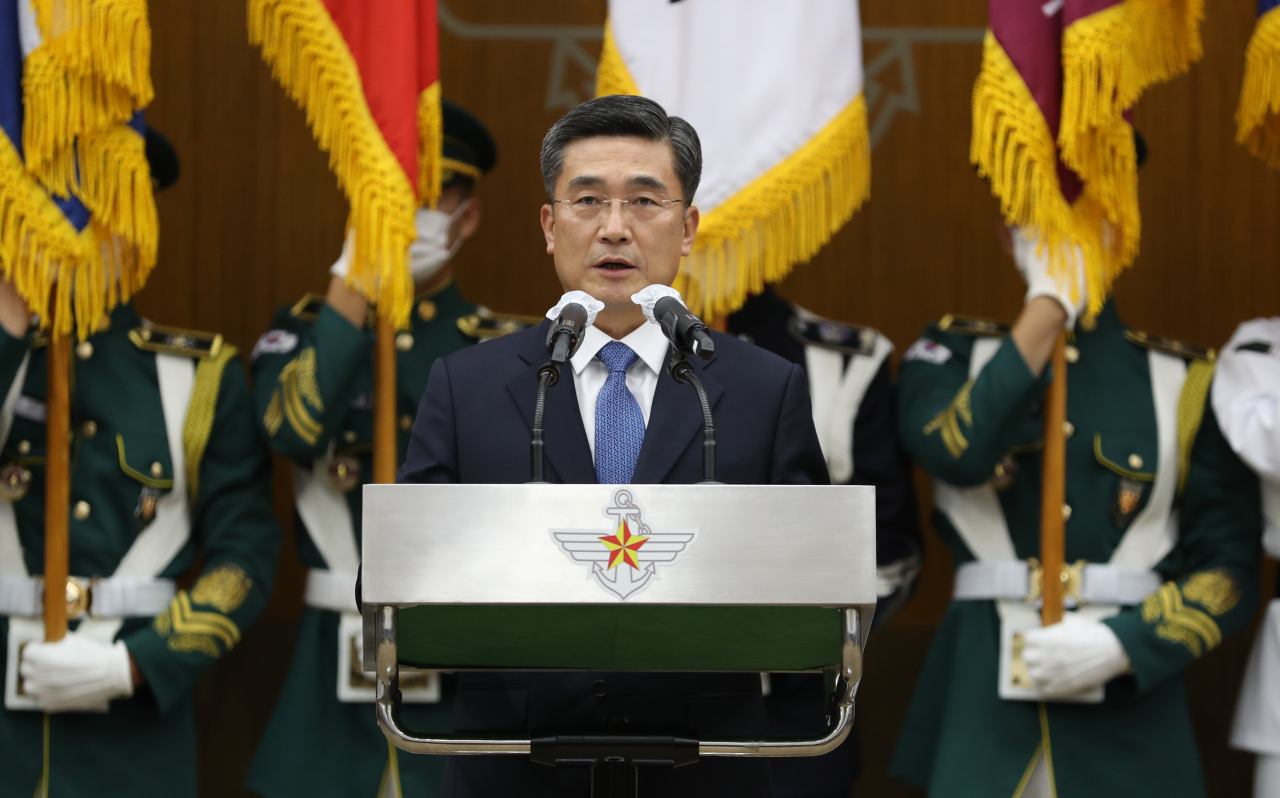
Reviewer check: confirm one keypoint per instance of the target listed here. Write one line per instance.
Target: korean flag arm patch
(274, 342)
(929, 351)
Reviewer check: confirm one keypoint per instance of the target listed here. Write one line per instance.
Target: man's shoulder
(746, 357)
(498, 352)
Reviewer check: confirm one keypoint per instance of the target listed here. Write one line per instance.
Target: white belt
(331, 590)
(1087, 583)
(110, 597)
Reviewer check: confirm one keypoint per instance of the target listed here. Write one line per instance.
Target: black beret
(468, 148)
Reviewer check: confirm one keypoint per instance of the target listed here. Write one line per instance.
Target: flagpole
(384, 402)
(57, 488)
(1053, 487)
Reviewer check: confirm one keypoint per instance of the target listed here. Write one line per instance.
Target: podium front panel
(754, 546)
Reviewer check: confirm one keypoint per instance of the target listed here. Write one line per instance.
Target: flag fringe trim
(782, 218)
(91, 72)
(1013, 148)
(1258, 117)
(430, 145)
(1108, 59)
(310, 59)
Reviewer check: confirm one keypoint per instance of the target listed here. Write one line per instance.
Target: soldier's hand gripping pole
(1053, 487)
(384, 403)
(57, 489)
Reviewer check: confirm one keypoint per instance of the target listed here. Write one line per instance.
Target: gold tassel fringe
(1013, 148)
(90, 73)
(780, 219)
(1109, 58)
(1258, 117)
(430, 145)
(310, 58)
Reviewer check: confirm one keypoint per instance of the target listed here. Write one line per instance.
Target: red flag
(367, 74)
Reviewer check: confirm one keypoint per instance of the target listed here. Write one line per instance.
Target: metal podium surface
(808, 545)
(736, 547)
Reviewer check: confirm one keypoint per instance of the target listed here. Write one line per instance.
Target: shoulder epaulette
(486, 324)
(173, 341)
(963, 325)
(1170, 347)
(308, 308)
(815, 331)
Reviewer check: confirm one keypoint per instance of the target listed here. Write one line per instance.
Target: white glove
(1073, 656)
(342, 265)
(1032, 257)
(76, 674)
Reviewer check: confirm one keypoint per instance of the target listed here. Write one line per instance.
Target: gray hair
(624, 115)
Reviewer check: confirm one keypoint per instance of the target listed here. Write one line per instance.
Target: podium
(746, 578)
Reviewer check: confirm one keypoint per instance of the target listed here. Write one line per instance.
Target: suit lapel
(674, 420)
(566, 439)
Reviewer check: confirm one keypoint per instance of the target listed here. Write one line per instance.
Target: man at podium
(620, 177)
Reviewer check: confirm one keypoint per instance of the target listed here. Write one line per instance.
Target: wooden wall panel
(257, 219)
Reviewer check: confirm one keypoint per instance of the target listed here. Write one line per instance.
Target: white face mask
(431, 251)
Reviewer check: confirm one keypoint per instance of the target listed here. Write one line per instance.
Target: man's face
(619, 252)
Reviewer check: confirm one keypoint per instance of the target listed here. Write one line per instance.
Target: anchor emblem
(625, 559)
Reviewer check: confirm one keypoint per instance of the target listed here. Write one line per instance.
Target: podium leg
(614, 777)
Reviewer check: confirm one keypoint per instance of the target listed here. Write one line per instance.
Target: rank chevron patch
(625, 558)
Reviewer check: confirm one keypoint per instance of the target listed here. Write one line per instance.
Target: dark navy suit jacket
(473, 427)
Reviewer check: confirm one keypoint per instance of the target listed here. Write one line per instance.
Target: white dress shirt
(590, 374)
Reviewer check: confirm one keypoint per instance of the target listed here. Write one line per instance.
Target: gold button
(81, 511)
(1068, 428)
(404, 341)
(89, 429)
(157, 470)
(427, 310)
(349, 436)
(406, 422)
(1066, 512)
(84, 350)
(1073, 354)
(24, 447)
(1135, 461)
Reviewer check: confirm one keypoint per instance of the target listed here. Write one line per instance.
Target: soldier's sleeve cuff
(167, 683)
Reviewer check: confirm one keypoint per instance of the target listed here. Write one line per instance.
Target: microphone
(572, 315)
(662, 306)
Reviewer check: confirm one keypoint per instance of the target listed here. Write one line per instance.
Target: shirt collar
(647, 341)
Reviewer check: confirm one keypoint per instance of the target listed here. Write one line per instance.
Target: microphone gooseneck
(681, 371)
(689, 334)
(548, 375)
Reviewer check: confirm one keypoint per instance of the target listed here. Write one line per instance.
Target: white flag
(774, 90)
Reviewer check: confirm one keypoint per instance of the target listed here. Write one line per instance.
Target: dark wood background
(256, 220)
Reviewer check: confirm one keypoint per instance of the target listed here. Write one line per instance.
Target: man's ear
(691, 219)
(549, 228)
(469, 222)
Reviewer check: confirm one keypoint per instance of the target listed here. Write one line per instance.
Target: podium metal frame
(797, 546)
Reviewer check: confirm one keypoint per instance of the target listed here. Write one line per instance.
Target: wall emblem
(624, 557)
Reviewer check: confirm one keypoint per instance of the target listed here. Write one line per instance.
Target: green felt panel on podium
(619, 637)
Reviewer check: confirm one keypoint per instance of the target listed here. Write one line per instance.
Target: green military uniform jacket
(960, 738)
(313, 384)
(145, 745)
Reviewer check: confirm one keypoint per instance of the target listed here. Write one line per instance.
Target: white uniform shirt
(1246, 400)
(590, 374)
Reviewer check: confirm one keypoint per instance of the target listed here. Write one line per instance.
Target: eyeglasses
(644, 206)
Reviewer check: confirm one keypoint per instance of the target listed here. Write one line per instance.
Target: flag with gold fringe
(775, 93)
(1051, 118)
(367, 74)
(1258, 117)
(78, 227)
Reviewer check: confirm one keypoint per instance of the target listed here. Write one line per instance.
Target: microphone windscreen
(592, 305)
(648, 297)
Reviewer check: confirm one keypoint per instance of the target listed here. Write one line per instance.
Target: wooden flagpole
(384, 403)
(57, 488)
(1053, 487)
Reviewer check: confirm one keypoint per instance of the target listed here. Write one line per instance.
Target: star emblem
(623, 545)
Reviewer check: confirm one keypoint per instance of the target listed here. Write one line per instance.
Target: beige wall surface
(257, 219)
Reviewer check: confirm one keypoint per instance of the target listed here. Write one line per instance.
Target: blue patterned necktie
(619, 423)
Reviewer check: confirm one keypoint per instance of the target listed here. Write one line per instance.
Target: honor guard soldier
(855, 412)
(313, 381)
(166, 464)
(1246, 391)
(1162, 529)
